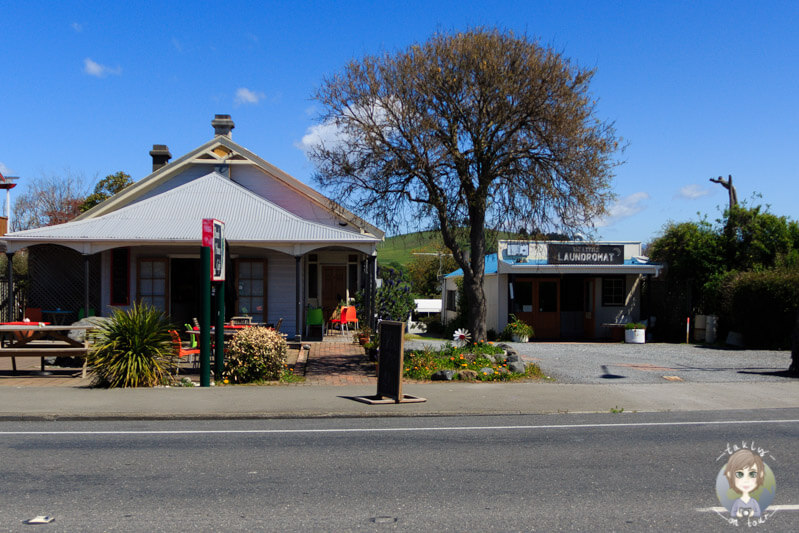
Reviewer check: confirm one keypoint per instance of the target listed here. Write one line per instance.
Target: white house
(565, 290)
(288, 245)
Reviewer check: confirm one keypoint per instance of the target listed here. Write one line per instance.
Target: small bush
(255, 354)
(133, 349)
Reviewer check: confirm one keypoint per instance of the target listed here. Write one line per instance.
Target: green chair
(314, 317)
(192, 338)
(82, 312)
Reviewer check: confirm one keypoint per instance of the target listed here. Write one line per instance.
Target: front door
(589, 309)
(334, 288)
(546, 308)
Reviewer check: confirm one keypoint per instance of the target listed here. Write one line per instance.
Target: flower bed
(479, 361)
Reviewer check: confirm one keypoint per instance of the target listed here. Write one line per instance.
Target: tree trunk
(473, 281)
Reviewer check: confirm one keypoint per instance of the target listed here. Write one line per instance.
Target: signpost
(212, 257)
(389, 370)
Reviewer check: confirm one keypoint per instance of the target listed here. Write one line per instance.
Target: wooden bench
(27, 341)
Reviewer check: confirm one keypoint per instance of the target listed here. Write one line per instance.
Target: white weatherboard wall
(282, 291)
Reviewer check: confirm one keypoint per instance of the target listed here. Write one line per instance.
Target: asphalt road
(574, 362)
(619, 472)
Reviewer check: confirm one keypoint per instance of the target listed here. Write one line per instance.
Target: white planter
(520, 338)
(635, 336)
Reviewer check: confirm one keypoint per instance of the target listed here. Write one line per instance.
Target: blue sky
(697, 89)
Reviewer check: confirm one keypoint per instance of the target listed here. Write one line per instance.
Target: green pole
(205, 318)
(219, 361)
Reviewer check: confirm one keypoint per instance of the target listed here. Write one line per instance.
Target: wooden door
(334, 287)
(546, 308)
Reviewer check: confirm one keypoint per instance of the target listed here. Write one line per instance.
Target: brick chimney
(223, 125)
(161, 156)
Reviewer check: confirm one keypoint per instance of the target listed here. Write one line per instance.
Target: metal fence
(56, 280)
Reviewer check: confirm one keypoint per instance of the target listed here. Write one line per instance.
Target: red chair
(180, 351)
(347, 316)
(340, 318)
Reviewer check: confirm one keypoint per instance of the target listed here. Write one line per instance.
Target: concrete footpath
(48, 403)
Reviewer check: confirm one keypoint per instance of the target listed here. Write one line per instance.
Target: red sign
(214, 238)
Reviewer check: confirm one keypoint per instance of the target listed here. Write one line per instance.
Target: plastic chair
(192, 338)
(314, 317)
(352, 316)
(344, 319)
(177, 345)
(82, 312)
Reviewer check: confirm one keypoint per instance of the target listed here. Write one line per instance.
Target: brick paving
(338, 361)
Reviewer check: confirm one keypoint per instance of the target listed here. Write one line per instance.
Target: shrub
(762, 306)
(255, 354)
(516, 327)
(133, 349)
(635, 325)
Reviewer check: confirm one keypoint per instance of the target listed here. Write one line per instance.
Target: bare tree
(466, 133)
(49, 200)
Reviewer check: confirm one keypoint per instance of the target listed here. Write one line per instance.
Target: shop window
(251, 288)
(452, 300)
(614, 291)
(521, 294)
(151, 283)
(120, 276)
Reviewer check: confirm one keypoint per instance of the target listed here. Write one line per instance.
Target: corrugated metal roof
(176, 214)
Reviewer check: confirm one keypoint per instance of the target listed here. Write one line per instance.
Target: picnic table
(37, 339)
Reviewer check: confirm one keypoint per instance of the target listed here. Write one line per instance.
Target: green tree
(426, 269)
(106, 188)
(466, 133)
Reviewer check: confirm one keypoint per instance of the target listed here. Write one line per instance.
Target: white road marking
(398, 429)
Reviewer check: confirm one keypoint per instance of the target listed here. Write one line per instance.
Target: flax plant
(133, 349)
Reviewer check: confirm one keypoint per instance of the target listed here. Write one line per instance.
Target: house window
(152, 283)
(352, 276)
(614, 291)
(452, 300)
(251, 288)
(313, 278)
(120, 276)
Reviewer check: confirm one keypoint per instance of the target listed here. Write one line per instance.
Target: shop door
(546, 308)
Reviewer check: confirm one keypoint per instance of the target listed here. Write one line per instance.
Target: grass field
(400, 248)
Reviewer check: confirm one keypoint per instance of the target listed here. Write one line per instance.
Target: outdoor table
(35, 339)
(58, 316)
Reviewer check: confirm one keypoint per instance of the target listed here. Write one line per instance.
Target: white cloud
(693, 191)
(246, 96)
(325, 134)
(77, 26)
(623, 208)
(4, 170)
(92, 68)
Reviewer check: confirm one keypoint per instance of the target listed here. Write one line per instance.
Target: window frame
(608, 292)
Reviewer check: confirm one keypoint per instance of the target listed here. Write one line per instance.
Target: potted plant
(518, 330)
(635, 333)
(364, 335)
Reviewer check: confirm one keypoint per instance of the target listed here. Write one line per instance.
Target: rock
(514, 358)
(77, 335)
(467, 375)
(443, 375)
(486, 371)
(516, 366)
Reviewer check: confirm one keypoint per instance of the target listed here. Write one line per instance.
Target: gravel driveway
(647, 363)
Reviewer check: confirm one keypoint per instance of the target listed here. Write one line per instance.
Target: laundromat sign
(579, 254)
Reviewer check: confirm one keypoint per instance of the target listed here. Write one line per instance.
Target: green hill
(398, 249)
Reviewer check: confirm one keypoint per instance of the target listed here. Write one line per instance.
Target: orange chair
(180, 351)
(352, 316)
